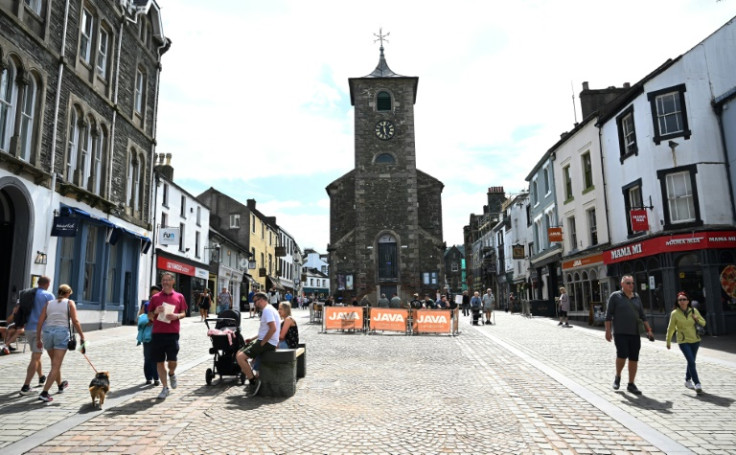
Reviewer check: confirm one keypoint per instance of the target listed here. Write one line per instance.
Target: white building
(667, 184)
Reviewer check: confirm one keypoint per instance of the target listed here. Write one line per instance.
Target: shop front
(587, 284)
(703, 264)
(231, 279)
(190, 277)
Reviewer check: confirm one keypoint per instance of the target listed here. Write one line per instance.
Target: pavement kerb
(54, 430)
(648, 433)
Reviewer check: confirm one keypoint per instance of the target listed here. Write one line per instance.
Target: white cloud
(258, 89)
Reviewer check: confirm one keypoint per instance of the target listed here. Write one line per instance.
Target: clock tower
(385, 214)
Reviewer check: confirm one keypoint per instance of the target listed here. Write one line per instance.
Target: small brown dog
(99, 387)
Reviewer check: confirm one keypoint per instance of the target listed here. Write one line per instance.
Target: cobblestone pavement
(520, 386)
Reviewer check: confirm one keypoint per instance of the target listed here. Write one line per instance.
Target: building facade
(77, 139)
(385, 214)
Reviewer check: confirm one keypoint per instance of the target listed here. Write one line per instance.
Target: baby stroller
(226, 341)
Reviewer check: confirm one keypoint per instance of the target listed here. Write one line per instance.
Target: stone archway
(16, 240)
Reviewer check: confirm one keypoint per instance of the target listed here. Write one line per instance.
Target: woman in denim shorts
(54, 326)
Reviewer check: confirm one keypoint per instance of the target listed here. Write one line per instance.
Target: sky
(254, 98)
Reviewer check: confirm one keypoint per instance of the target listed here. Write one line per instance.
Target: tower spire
(382, 70)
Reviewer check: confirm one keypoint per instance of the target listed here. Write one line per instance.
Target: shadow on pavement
(243, 403)
(130, 408)
(645, 402)
(713, 399)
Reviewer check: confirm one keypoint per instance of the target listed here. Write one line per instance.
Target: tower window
(383, 101)
(385, 158)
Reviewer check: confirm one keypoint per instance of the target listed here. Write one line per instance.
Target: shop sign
(582, 262)
(672, 243)
(168, 236)
(554, 234)
(176, 267)
(431, 321)
(64, 226)
(517, 251)
(639, 221)
(201, 273)
(388, 319)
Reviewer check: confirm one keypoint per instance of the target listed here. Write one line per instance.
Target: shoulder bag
(72, 343)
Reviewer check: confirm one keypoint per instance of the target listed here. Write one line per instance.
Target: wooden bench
(280, 370)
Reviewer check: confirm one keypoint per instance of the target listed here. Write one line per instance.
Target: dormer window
(383, 101)
(385, 158)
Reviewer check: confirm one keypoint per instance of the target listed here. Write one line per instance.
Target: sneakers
(156, 382)
(45, 397)
(698, 389)
(172, 381)
(254, 385)
(25, 390)
(616, 381)
(164, 393)
(689, 384)
(560, 323)
(62, 386)
(42, 380)
(149, 382)
(633, 389)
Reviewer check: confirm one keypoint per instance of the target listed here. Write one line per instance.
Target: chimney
(592, 100)
(166, 170)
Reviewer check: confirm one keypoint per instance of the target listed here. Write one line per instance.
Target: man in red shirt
(165, 309)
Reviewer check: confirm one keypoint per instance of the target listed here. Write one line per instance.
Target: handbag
(72, 343)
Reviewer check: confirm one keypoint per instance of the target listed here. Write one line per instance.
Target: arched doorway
(16, 222)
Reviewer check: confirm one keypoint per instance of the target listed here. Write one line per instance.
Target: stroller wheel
(208, 375)
(242, 378)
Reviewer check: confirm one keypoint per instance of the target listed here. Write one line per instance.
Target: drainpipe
(54, 132)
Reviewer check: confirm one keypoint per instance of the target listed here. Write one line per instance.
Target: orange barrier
(343, 318)
(431, 321)
(388, 319)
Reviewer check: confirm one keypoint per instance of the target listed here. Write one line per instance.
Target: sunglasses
(682, 299)
(628, 282)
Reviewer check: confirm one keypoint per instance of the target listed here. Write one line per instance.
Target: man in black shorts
(165, 309)
(624, 312)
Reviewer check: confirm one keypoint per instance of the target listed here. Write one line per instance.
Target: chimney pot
(168, 159)
(585, 85)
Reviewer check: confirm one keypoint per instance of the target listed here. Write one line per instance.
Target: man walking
(165, 309)
(266, 340)
(42, 296)
(623, 313)
(395, 301)
(224, 301)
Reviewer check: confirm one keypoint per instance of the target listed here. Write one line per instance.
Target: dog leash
(90, 363)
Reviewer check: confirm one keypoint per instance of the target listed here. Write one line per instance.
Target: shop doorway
(690, 279)
(16, 228)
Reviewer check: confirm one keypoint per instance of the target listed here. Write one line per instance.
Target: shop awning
(116, 231)
(274, 283)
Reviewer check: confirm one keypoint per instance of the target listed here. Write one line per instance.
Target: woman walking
(54, 325)
(204, 304)
(683, 320)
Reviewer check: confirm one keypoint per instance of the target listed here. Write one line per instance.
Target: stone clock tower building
(385, 215)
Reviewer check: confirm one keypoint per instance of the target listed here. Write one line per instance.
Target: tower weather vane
(381, 37)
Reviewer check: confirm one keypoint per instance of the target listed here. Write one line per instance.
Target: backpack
(27, 298)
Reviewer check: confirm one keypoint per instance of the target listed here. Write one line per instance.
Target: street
(520, 386)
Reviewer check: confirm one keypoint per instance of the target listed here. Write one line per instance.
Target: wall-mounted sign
(639, 221)
(554, 234)
(517, 251)
(64, 226)
(168, 236)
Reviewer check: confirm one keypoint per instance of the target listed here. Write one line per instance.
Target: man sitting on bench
(267, 340)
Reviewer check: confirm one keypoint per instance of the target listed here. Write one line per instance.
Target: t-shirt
(42, 296)
(564, 302)
(269, 314)
(180, 306)
(225, 299)
(625, 313)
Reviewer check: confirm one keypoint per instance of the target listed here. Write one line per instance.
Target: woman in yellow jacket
(682, 320)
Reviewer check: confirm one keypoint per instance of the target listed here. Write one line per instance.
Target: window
(66, 259)
(679, 191)
(112, 272)
(535, 191)
(587, 171)
(253, 219)
(164, 220)
(454, 267)
(85, 38)
(85, 158)
(103, 50)
(72, 145)
(573, 233)
(385, 158)
(134, 174)
(100, 149)
(90, 264)
(669, 113)
(196, 244)
(140, 82)
(199, 216)
(383, 101)
(35, 6)
(166, 195)
(567, 182)
(27, 116)
(632, 200)
(626, 133)
(593, 226)
(183, 207)
(7, 105)
(234, 221)
(387, 258)
(181, 236)
(546, 180)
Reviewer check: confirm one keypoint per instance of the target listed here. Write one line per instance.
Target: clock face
(384, 130)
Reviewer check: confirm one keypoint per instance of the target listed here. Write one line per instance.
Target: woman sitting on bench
(289, 336)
